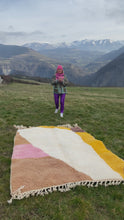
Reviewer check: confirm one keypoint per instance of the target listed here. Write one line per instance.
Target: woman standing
(59, 82)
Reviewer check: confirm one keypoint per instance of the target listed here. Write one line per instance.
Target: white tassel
(62, 188)
(10, 201)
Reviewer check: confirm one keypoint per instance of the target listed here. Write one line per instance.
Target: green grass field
(99, 111)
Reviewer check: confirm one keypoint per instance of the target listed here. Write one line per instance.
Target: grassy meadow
(98, 111)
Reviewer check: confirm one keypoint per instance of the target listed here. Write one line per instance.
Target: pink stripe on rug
(27, 151)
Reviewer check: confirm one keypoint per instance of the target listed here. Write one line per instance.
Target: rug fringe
(69, 126)
(21, 127)
(61, 188)
(65, 125)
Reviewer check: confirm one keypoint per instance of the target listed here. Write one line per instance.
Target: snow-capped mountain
(38, 46)
(105, 45)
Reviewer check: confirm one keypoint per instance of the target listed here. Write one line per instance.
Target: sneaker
(61, 115)
(56, 111)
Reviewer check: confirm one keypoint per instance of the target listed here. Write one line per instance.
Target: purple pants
(62, 100)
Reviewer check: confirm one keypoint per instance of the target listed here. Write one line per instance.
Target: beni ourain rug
(50, 158)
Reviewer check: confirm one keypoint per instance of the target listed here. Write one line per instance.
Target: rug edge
(18, 195)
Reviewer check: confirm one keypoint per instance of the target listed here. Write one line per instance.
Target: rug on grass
(50, 158)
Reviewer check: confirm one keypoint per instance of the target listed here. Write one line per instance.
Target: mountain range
(90, 55)
(105, 45)
(82, 67)
(66, 54)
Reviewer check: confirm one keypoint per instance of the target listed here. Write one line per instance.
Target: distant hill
(111, 74)
(111, 55)
(102, 60)
(22, 59)
(7, 51)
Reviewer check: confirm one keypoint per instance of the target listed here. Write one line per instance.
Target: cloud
(10, 28)
(115, 10)
(7, 4)
(56, 20)
(14, 37)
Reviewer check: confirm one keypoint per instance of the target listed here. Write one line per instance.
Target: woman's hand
(60, 79)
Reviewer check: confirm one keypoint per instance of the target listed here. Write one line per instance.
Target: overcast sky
(54, 21)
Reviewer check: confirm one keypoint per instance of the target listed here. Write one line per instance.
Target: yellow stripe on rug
(111, 159)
